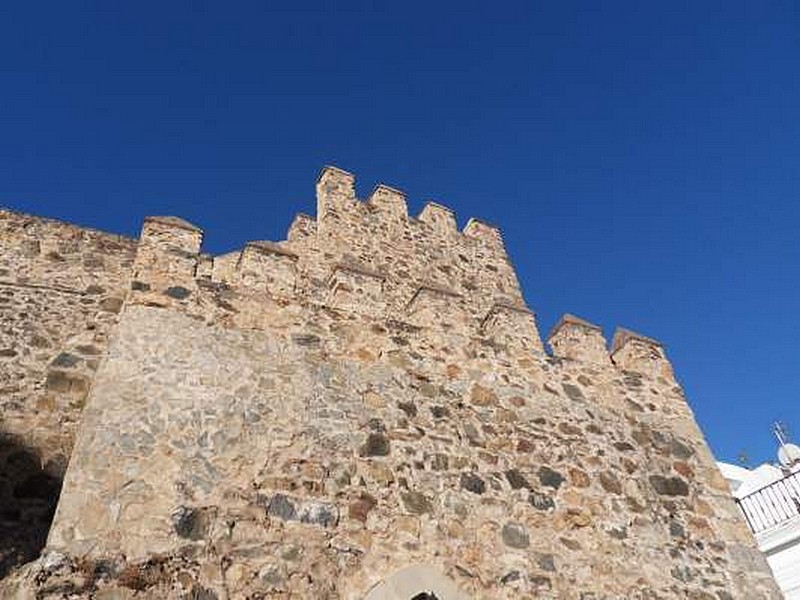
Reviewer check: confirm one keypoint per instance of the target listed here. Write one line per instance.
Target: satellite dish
(789, 454)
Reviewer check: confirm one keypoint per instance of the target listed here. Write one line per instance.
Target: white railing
(773, 504)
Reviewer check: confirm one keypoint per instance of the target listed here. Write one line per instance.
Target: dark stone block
(440, 412)
(360, 509)
(546, 562)
(140, 286)
(377, 444)
(280, 506)
(472, 483)
(408, 407)
(550, 478)
(178, 292)
(681, 450)
(516, 479)
(669, 486)
(190, 523)
(65, 360)
(676, 529)
(306, 339)
(376, 425)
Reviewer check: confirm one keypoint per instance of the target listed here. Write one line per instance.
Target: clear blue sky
(643, 159)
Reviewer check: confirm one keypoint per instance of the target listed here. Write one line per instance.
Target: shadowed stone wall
(306, 418)
(61, 288)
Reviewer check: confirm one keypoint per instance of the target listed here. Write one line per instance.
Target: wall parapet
(370, 257)
(367, 256)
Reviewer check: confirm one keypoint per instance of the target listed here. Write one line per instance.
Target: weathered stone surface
(360, 508)
(482, 396)
(304, 419)
(416, 503)
(573, 392)
(610, 482)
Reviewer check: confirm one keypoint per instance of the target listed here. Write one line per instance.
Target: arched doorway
(417, 582)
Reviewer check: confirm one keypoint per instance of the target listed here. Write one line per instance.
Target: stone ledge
(570, 319)
(622, 336)
(173, 222)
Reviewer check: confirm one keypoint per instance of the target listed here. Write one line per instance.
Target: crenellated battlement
(367, 257)
(371, 258)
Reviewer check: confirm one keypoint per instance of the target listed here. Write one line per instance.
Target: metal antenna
(779, 429)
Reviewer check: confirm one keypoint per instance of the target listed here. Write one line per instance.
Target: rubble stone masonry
(362, 411)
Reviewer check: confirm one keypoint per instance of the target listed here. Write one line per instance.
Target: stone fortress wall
(61, 288)
(367, 407)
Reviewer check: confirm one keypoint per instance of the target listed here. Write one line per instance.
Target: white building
(769, 497)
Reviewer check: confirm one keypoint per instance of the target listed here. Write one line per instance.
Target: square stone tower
(366, 410)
